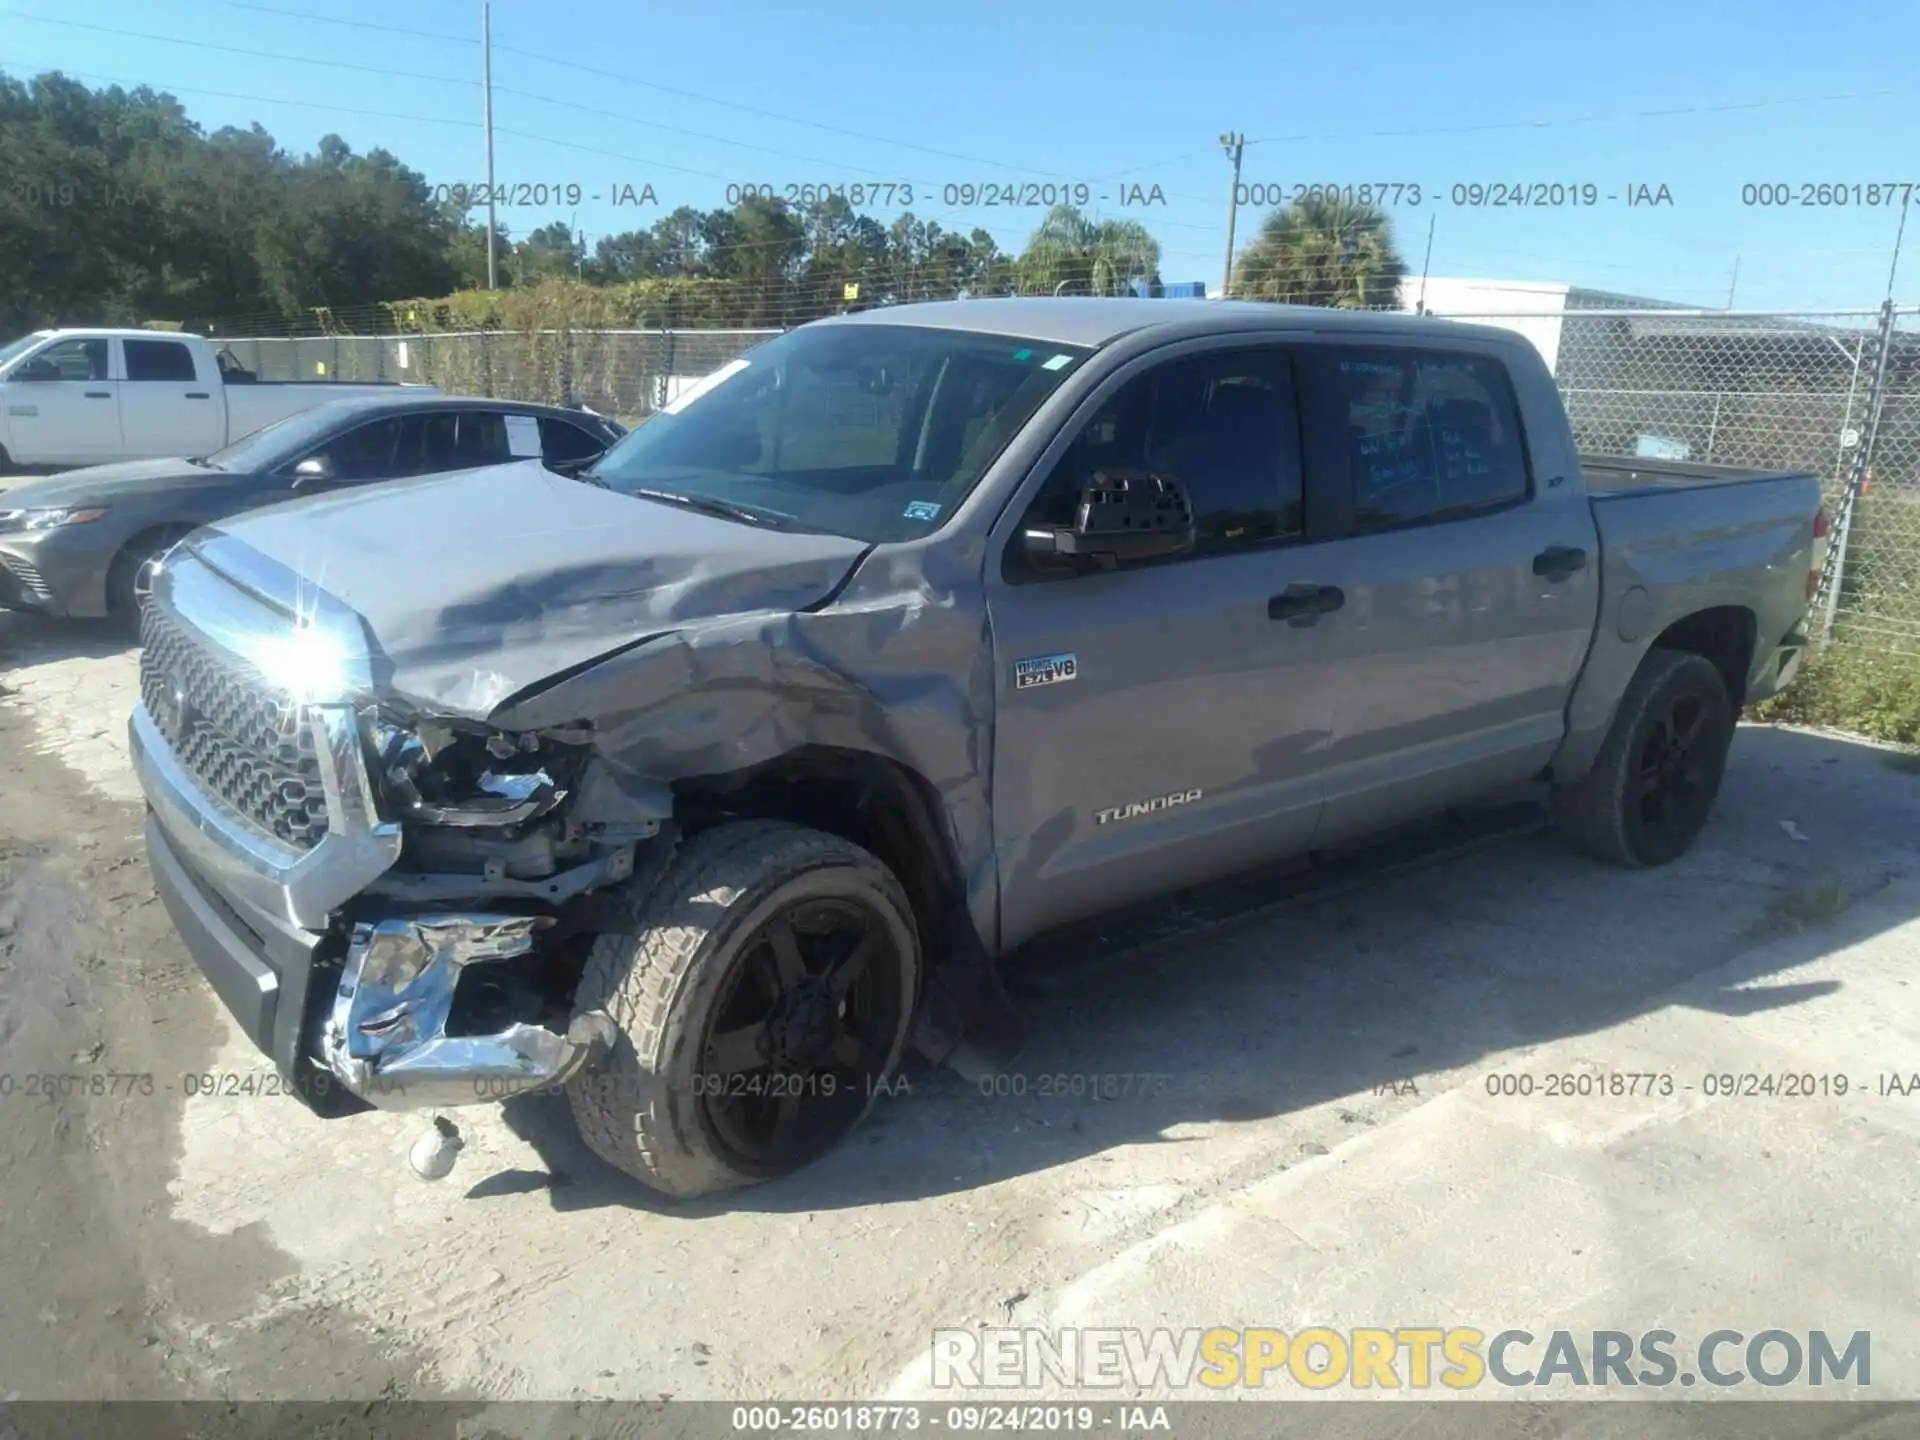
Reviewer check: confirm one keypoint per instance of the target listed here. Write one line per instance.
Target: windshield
(872, 431)
(272, 446)
(14, 349)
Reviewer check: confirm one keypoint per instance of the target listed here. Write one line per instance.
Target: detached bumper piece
(387, 1039)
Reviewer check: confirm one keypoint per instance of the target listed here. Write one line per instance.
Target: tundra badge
(1146, 807)
(1044, 670)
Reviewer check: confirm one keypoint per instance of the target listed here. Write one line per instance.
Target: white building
(1532, 308)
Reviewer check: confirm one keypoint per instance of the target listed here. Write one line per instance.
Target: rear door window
(1427, 435)
(463, 440)
(158, 360)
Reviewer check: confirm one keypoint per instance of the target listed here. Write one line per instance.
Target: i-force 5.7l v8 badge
(1044, 670)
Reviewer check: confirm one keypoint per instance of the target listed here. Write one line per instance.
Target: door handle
(99, 394)
(198, 395)
(1557, 562)
(1306, 603)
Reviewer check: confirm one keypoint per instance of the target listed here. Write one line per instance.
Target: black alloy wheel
(799, 1034)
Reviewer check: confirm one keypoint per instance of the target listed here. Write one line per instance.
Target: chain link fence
(1833, 392)
(623, 373)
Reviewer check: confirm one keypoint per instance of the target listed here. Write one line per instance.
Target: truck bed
(1612, 476)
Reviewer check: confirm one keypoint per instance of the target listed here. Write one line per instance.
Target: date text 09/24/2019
(1710, 1085)
(957, 194)
(1511, 194)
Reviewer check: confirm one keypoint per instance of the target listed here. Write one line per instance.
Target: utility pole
(486, 50)
(1893, 265)
(1734, 283)
(1426, 265)
(1234, 144)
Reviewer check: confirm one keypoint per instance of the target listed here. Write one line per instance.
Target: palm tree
(1321, 250)
(1071, 254)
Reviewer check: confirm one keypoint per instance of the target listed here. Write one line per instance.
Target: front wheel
(761, 1004)
(1658, 773)
(130, 578)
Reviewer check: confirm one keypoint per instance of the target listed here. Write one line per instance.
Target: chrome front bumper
(384, 1032)
(267, 921)
(386, 1039)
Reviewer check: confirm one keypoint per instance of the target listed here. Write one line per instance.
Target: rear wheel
(1651, 789)
(761, 1004)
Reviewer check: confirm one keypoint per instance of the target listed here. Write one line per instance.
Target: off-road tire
(1598, 814)
(636, 1103)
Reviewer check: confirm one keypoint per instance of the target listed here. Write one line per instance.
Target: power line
(241, 50)
(271, 100)
(790, 119)
(962, 215)
(1668, 112)
(613, 75)
(440, 35)
(500, 89)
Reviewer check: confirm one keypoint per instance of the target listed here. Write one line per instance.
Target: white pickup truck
(90, 397)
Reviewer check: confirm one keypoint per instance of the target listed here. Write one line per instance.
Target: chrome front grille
(244, 741)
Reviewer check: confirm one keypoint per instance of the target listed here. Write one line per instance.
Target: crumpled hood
(474, 585)
(101, 484)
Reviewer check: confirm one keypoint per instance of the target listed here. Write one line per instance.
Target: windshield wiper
(725, 509)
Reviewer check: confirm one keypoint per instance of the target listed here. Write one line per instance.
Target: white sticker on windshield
(523, 436)
(923, 510)
(700, 387)
(1058, 362)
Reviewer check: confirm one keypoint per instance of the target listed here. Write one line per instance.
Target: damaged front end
(461, 960)
(392, 902)
(390, 1037)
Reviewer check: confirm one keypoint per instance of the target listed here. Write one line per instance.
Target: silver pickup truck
(705, 784)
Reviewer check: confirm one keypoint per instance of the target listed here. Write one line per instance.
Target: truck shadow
(1332, 1006)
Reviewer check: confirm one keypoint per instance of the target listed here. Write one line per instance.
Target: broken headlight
(442, 775)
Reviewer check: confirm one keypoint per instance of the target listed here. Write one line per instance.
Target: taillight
(1822, 530)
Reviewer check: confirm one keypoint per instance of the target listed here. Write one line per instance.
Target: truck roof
(1096, 320)
(115, 332)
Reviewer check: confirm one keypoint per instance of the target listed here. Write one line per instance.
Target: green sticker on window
(1023, 354)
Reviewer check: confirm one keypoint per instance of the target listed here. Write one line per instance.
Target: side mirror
(313, 470)
(1123, 516)
(39, 371)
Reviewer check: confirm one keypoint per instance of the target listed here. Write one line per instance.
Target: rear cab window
(1424, 436)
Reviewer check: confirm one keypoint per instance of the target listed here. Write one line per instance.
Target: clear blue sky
(1115, 93)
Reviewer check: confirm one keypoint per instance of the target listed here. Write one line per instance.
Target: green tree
(1321, 251)
(626, 257)
(117, 207)
(1072, 254)
(551, 252)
